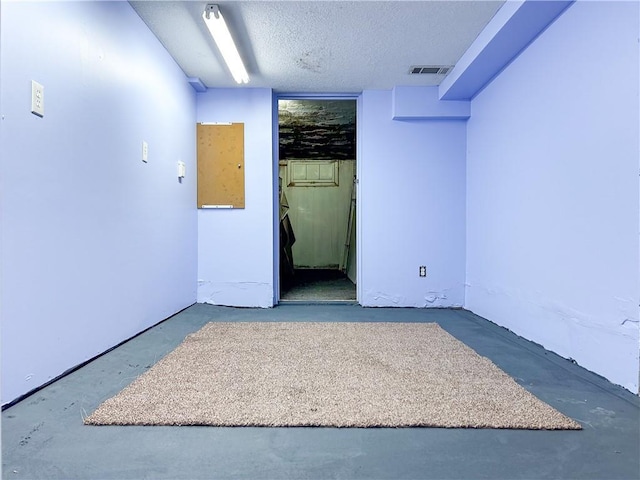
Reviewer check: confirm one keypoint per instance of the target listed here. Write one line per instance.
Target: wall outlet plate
(145, 151)
(37, 99)
(423, 271)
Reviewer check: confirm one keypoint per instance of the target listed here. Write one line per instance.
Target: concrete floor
(319, 286)
(43, 436)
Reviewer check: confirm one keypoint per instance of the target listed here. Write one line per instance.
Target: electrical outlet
(37, 99)
(145, 151)
(423, 271)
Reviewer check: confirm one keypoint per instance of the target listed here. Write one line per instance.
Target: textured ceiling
(321, 46)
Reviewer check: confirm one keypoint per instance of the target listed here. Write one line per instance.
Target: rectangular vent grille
(430, 69)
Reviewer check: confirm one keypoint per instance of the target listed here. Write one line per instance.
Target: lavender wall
(96, 245)
(235, 247)
(411, 207)
(552, 192)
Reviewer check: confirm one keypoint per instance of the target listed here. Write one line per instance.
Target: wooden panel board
(221, 165)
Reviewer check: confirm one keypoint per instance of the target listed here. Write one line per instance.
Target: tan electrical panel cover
(221, 165)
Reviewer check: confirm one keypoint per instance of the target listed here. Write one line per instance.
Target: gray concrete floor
(319, 286)
(44, 437)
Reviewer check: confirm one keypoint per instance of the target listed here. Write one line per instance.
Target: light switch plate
(37, 99)
(145, 151)
(182, 169)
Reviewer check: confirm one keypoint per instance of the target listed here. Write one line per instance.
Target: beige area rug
(327, 374)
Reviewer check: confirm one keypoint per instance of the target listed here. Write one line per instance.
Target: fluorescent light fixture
(220, 32)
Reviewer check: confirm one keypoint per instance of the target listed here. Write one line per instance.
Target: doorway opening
(317, 199)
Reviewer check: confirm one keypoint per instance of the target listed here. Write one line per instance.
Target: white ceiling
(321, 46)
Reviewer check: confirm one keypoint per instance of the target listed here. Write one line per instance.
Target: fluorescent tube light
(220, 32)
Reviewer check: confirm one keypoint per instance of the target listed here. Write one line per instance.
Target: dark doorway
(317, 168)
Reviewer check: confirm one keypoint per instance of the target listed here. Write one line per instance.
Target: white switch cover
(182, 169)
(145, 151)
(37, 99)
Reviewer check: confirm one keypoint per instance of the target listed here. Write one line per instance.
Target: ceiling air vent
(430, 69)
